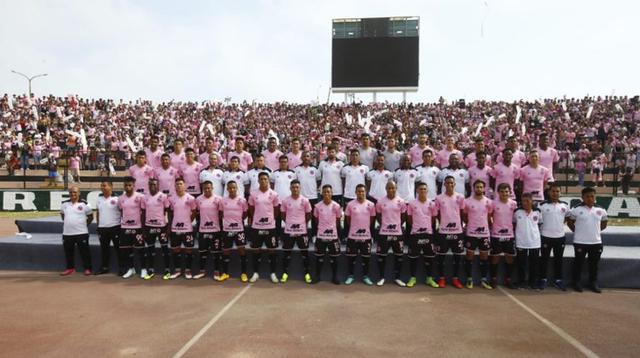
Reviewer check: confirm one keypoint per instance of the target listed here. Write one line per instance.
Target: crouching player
(234, 211)
(209, 234)
(391, 210)
(181, 215)
(360, 217)
(421, 217)
(502, 237)
(155, 205)
(296, 213)
(327, 214)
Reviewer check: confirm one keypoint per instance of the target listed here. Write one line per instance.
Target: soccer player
(377, 180)
(327, 214)
(178, 156)
(527, 220)
(155, 205)
(360, 217)
(391, 215)
(263, 212)
(392, 155)
(428, 173)
(460, 175)
(234, 210)
(167, 176)
(481, 171)
(295, 155)
(252, 175)
(505, 172)
(244, 157)
(154, 152)
(421, 217)
(272, 154)
(213, 174)
(181, 214)
(209, 234)
(330, 171)
(587, 222)
(443, 157)
(205, 158)
(309, 177)
(471, 159)
(76, 216)
(236, 175)
(367, 153)
(406, 179)
(534, 177)
(518, 158)
(296, 213)
(502, 237)
(141, 172)
(282, 178)
(477, 217)
(416, 153)
(353, 175)
(450, 205)
(548, 156)
(108, 219)
(131, 239)
(554, 215)
(190, 172)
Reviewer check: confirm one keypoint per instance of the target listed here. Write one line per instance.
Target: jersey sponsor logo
(130, 222)
(422, 229)
(328, 232)
(361, 231)
(153, 221)
(233, 224)
(451, 225)
(295, 226)
(503, 231)
(479, 230)
(263, 220)
(208, 224)
(391, 227)
(179, 225)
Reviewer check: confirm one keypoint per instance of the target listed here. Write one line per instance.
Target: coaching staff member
(76, 216)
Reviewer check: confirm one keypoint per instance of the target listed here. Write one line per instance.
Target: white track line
(209, 324)
(559, 331)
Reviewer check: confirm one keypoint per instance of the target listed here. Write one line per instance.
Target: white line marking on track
(621, 291)
(559, 331)
(209, 324)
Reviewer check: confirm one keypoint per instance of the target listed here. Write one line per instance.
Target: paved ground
(46, 315)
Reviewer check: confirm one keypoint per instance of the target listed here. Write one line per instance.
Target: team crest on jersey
(386, 175)
(289, 176)
(461, 175)
(599, 212)
(535, 218)
(563, 210)
(217, 175)
(113, 202)
(361, 170)
(79, 207)
(159, 199)
(411, 175)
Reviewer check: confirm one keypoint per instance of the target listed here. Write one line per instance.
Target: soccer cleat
(543, 284)
(469, 283)
(188, 275)
(442, 283)
(431, 282)
(216, 276)
(143, 273)
(349, 280)
(150, 275)
(166, 275)
(486, 284)
(224, 277)
(412, 282)
(129, 273)
(284, 278)
(457, 284)
(595, 287)
(244, 277)
(367, 281)
(307, 278)
(380, 282)
(199, 275)
(87, 272)
(255, 277)
(274, 277)
(400, 283)
(560, 285)
(175, 275)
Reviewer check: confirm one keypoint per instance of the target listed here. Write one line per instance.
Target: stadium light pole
(29, 78)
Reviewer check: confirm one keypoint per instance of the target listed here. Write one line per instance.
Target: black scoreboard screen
(375, 53)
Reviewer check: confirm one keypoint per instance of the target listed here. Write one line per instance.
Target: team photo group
(420, 204)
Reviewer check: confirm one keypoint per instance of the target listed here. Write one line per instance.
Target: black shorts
(233, 237)
(210, 241)
(263, 237)
(324, 247)
(386, 242)
(289, 241)
(481, 243)
(421, 244)
(503, 245)
(358, 247)
(131, 238)
(455, 242)
(182, 239)
(153, 234)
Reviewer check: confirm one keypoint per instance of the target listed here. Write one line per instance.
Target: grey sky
(281, 50)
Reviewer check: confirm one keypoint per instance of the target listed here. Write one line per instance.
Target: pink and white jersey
(415, 153)
(272, 159)
(360, 215)
(209, 209)
(519, 158)
(204, 159)
(327, 216)
(142, 176)
(422, 213)
(263, 203)
(191, 175)
(296, 211)
(232, 213)
(294, 159)
(503, 218)
(167, 180)
(449, 208)
(177, 160)
(472, 161)
(131, 207)
(504, 174)
(391, 211)
(442, 158)
(548, 157)
(476, 173)
(478, 212)
(182, 207)
(533, 180)
(245, 159)
(154, 209)
(154, 159)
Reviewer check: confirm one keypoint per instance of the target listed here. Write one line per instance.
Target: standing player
(450, 205)
(131, 239)
(190, 172)
(282, 178)
(377, 180)
(502, 237)
(587, 222)
(330, 171)
(154, 152)
(295, 155)
(167, 176)
(309, 177)
(367, 153)
(236, 175)
(460, 175)
(177, 156)
(155, 205)
(421, 217)
(481, 172)
(428, 173)
(548, 156)
(244, 157)
(391, 215)
(360, 217)
(141, 172)
(353, 175)
(505, 172)
(416, 153)
(534, 177)
(234, 210)
(181, 215)
(296, 213)
(477, 216)
(443, 157)
(252, 175)
(471, 159)
(209, 151)
(263, 212)
(406, 179)
(272, 154)
(213, 174)
(108, 219)
(392, 155)
(327, 214)
(554, 215)
(527, 220)
(209, 234)
(518, 158)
